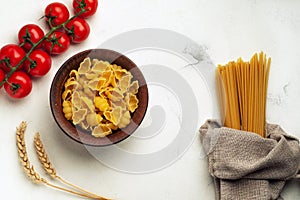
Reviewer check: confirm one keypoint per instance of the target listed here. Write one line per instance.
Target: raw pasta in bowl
(98, 97)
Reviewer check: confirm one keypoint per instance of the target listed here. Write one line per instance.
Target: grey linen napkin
(246, 166)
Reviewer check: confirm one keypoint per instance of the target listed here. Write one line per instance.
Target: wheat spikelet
(43, 157)
(50, 170)
(28, 169)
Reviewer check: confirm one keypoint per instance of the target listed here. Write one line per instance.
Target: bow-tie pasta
(100, 97)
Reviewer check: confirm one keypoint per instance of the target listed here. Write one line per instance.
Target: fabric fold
(247, 166)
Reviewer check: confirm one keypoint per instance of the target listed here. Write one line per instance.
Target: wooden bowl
(57, 89)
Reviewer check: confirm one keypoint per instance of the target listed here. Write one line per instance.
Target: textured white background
(228, 29)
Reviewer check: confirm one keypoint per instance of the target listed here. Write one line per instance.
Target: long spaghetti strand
(242, 92)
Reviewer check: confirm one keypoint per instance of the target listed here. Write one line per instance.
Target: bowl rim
(78, 134)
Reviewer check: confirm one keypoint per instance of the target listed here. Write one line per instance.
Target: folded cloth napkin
(246, 166)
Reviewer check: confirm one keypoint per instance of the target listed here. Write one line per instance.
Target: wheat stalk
(29, 169)
(50, 170)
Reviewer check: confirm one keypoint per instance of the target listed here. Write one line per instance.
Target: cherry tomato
(30, 34)
(10, 56)
(18, 85)
(79, 30)
(38, 64)
(2, 76)
(57, 43)
(56, 13)
(89, 5)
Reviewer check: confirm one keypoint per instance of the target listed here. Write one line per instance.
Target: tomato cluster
(32, 56)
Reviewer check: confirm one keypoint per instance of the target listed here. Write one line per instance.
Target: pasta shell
(132, 102)
(76, 100)
(93, 119)
(100, 67)
(84, 66)
(67, 109)
(124, 82)
(67, 95)
(116, 115)
(124, 120)
(74, 73)
(101, 103)
(79, 116)
(134, 87)
(89, 103)
(101, 130)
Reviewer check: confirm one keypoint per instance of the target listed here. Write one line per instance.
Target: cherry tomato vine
(32, 57)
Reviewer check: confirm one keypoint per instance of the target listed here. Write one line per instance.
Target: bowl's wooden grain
(57, 87)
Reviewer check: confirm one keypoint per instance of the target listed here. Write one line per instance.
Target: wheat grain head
(28, 169)
(43, 157)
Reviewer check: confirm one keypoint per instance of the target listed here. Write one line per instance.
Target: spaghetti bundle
(242, 88)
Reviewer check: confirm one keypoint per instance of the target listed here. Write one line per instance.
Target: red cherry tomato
(10, 56)
(2, 76)
(18, 85)
(57, 43)
(79, 30)
(89, 5)
(29, 34)
(38, 64)
(56, 14)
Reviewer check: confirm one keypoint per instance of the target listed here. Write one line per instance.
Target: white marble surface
(224, 29)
